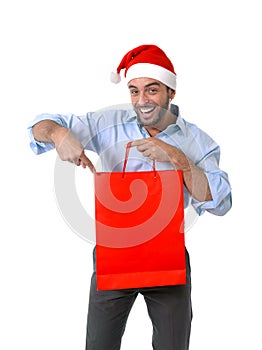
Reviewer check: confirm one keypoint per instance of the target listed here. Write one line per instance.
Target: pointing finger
(86, 162)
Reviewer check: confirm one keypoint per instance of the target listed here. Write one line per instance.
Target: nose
(142, 98)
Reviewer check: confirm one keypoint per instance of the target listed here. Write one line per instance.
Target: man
(157, 132)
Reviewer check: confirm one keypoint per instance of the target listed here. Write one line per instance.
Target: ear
(172, 94)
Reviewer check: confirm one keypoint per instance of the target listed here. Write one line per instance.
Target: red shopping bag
(139, 229)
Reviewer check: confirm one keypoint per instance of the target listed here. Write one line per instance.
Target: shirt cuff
(221, 194)
(40, 147)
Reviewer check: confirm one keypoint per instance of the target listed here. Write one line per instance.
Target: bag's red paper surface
(139, 229)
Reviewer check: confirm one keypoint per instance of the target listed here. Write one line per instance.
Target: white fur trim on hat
(148, 70)
(115, 78)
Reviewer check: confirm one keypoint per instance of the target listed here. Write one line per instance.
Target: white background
(56, 56)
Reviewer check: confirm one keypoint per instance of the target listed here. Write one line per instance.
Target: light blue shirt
(107, 132)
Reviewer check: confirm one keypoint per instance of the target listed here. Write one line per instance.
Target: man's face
(150, 99)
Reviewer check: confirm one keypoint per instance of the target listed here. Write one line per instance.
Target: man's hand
(161, 151)
(194, 178)
(153, 148)
(70, 149)
(66, 144)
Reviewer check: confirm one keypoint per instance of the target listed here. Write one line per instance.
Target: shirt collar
(131, 115)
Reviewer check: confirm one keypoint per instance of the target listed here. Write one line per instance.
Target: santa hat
(146, 61)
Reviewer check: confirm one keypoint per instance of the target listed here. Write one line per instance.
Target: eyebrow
(146, 86)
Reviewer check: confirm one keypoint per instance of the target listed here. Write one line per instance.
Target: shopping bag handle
(128, 146)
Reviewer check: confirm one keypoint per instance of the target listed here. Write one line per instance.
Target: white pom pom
(115, 78)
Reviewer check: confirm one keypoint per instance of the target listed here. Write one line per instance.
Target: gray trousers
(169, 309)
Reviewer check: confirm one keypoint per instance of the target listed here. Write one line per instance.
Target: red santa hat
(146, 61)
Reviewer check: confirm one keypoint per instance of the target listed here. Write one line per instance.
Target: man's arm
(66, 144)
(195, 179)
(46, 130)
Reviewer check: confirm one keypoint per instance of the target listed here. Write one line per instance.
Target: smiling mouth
(146, 110)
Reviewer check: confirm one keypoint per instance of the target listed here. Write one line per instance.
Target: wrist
(57, 133)
(180, 160)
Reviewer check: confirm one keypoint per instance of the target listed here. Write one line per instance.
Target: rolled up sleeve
(221, 195)
(40, 147)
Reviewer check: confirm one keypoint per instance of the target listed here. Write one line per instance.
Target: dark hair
(168, 88)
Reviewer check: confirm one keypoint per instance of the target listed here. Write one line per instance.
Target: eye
(134, 92)
(152, 91)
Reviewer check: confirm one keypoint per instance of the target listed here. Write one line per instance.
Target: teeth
(146, 110)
